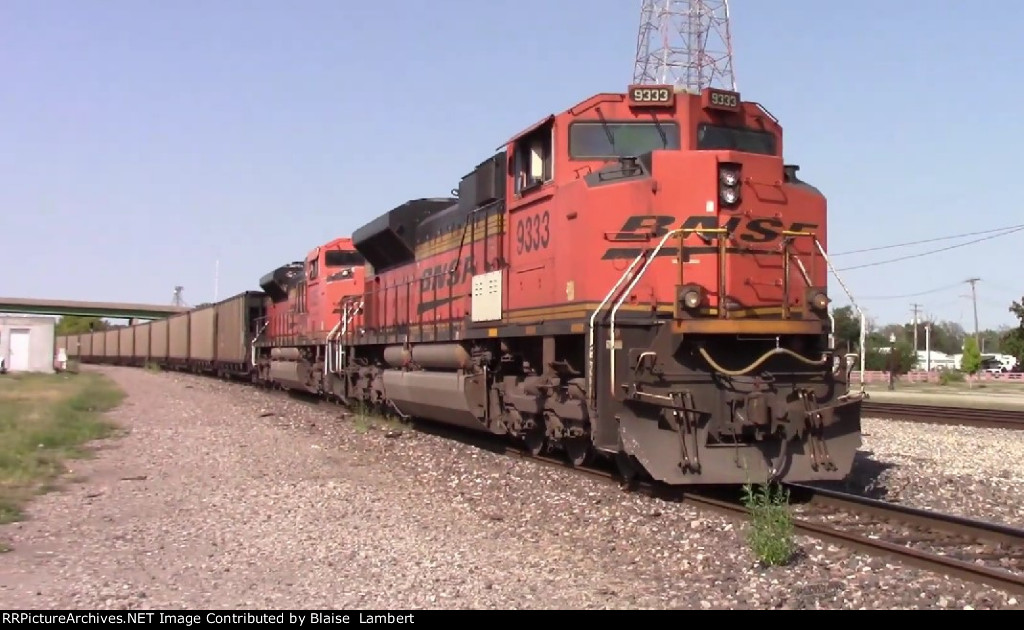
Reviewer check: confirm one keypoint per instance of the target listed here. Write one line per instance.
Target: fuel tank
(287, 369)
(444, 397)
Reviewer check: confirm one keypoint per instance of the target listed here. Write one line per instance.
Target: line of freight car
(211, 338)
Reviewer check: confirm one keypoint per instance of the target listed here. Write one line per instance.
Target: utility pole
(915, 308)
(928, 346)
(974, 298)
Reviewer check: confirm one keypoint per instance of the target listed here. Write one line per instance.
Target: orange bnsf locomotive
(640, 278)
(303, 321)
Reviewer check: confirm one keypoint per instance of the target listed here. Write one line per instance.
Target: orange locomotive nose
(770, 264)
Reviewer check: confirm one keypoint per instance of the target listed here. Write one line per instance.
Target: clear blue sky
(141, 141)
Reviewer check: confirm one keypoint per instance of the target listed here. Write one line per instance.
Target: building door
(19, 350)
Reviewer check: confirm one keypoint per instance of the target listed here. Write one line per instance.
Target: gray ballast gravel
(226, 497)
(974, 472)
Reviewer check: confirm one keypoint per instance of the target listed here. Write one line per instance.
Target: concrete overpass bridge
(113, 310)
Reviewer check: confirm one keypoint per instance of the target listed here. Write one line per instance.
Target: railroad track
(975, 551)
(964, 416)
(972, 550)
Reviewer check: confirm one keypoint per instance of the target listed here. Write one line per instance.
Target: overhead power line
(934, 251)
(928, 240)
(910, 295)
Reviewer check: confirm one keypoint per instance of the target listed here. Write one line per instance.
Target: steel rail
(952, 523)
(953, 567)
(965, 416)
(934, 521)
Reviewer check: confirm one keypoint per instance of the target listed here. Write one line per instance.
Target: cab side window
(534, 161)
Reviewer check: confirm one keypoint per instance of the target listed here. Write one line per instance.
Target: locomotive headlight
(819, 301)
(691, 299)
(729, 184)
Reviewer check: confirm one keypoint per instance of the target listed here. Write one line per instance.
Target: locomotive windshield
(339, 258)
(718, 138)
(599, 140)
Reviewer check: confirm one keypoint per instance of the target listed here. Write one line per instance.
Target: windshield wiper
(661, 132)
(607, 129)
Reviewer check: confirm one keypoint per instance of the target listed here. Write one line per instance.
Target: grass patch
(771, 532)
(46, 419)
(365, 418)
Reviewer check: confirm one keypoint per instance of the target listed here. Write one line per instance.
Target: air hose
(764, 357)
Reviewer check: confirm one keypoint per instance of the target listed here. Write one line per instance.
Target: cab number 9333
(533, 232)
(652, 95)
(724, 99)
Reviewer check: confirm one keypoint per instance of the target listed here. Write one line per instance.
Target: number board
(533, 233)
(722, 99)
(651, 95)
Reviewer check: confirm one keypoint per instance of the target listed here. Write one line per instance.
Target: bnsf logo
(744, 229)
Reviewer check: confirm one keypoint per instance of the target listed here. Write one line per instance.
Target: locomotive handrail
(626, 275)
(803, 271)
(651, 257)
(788, 236)
(330, 340)
(591, 390)
(853, 302)
(256, 337)
(350, 307)
(806, 278)
(701, 231)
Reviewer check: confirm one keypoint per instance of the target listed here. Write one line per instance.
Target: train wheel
(578, 450)
(534, 440)
(627, 467)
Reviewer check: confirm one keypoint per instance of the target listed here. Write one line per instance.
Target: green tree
(847, 330)
(971, 361)
(901, 359)
(991, 341)
(948, 337)
(78, 324)
(1013, 339)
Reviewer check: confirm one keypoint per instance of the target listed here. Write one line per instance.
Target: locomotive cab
(335, 274)
(748, 237)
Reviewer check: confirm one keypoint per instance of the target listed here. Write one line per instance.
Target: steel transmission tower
(685, 43)
(177, 300)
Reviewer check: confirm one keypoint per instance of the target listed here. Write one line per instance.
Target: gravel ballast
(223, 496)
(973, 472)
